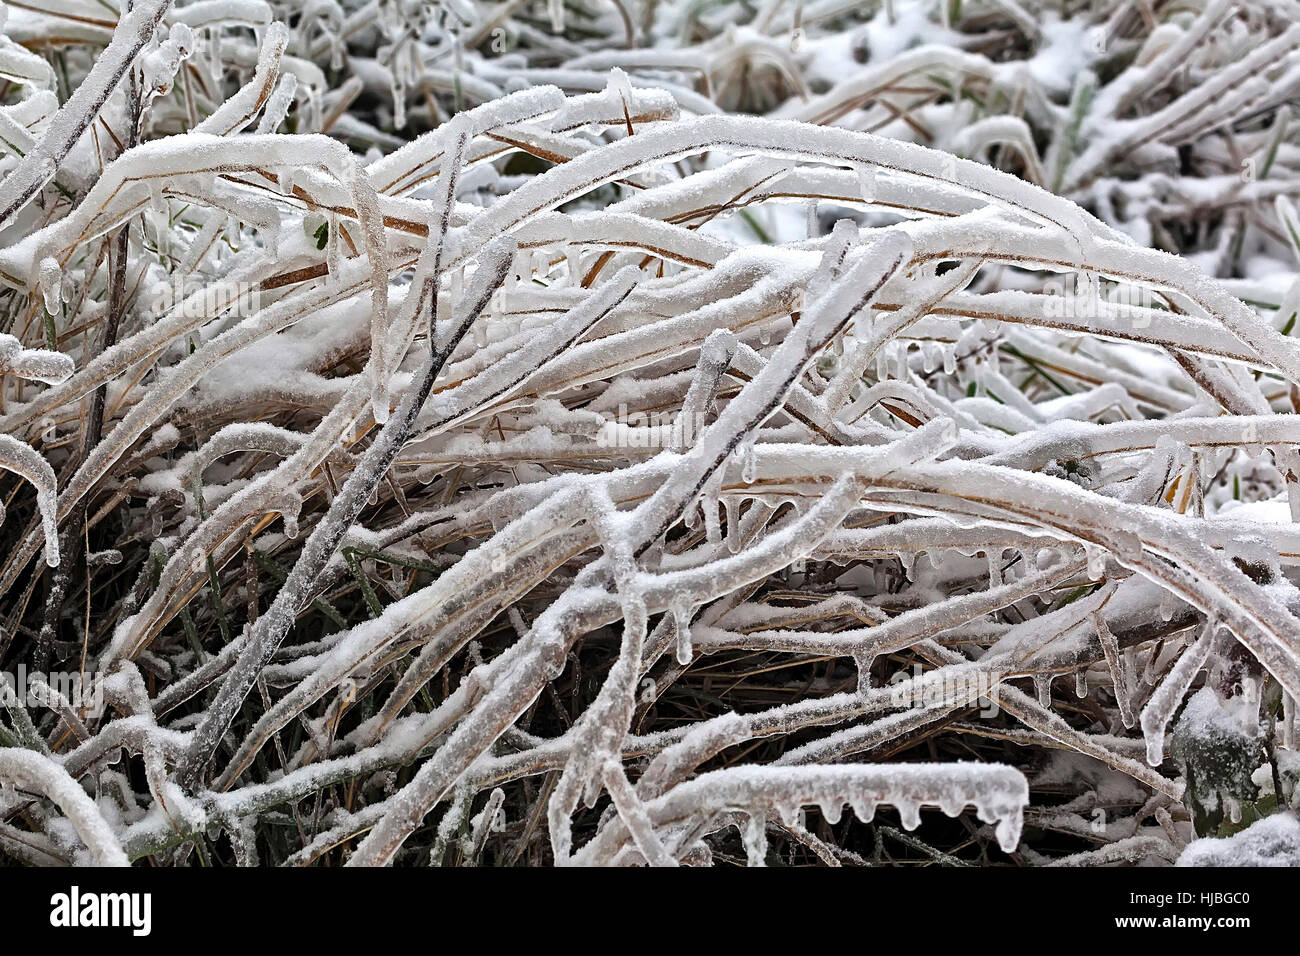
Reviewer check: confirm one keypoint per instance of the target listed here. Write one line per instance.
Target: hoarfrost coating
(562, 432)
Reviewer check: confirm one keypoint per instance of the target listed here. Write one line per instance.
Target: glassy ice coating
(603, 433)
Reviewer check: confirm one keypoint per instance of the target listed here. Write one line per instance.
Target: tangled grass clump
(616, 432)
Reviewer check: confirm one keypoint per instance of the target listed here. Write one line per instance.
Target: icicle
(867, 183)
(756, 840)
(949, 360)
(1148, 678)
(1166, 698)
(399, 101)
(863, 324)
(1081, 683)
(1288, 721)
(813, 226)
(1043, 686)
(732, 506)
(682, 623)
(994, 557)
(50, 279)
(22, 459)
(1233, 806)
(790, 814)
(290, 508)
(47, 505)
(831, 809)
(909, 812)
(1120, 668)
(1167, 606)
(712, 529)
(553, 665)
(1096, 562)
(765, 334)
(952, 803)
(456, 285)
(749, 464)
(278, 105)
(864, 661)
(863, 808)
(555, 10)
(1249, 711)
(508, 289)
(908, 560)
(333, 247)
